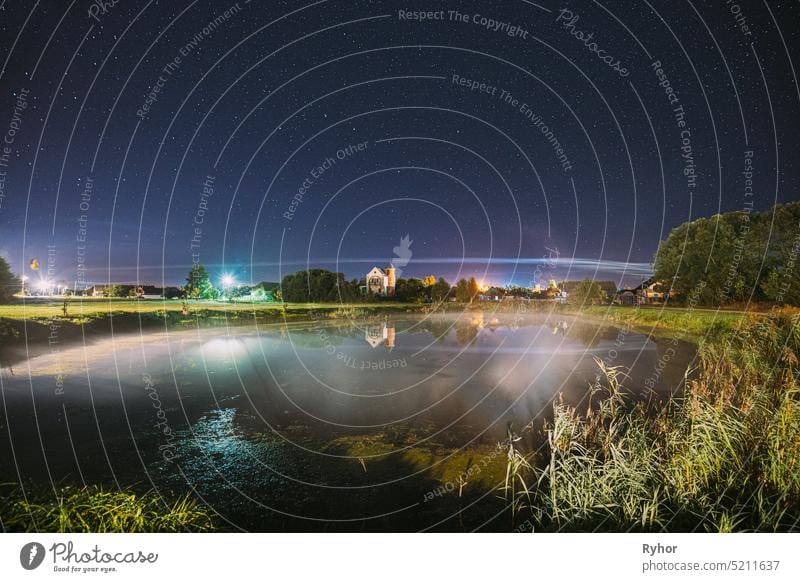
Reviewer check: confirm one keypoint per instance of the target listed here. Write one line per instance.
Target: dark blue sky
(258, 137)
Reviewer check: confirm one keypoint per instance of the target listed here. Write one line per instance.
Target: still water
(325, 425)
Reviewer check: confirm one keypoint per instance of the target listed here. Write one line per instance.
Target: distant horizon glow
(513, 271)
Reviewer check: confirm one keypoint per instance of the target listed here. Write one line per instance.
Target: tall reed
(723, 456)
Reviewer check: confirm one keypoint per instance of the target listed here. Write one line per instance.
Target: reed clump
(723, 456)
(94, 509)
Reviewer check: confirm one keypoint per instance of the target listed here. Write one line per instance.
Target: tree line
(321, 285)
(734, 257)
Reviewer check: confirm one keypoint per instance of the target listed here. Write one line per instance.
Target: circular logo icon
(31, 555)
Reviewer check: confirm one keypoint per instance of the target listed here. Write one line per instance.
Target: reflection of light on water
(226, 347)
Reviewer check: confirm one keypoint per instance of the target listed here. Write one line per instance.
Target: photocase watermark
(527, 111)
(679, 116)
(375, 334)
(402, 254)
(732, 278)
(462, 480)
(569, 21)
(318, 171)
(31, 555)
(95, 560)
(10, 136)
(739, 17)
(100, 8)
(507, 28)
(82, 235)
(199, 218)
(172, 67)
(168, 447)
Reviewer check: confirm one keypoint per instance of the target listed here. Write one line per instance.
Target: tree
(588, 292)
(440, 290)
(736, 256)
(411, 291)
(9, 284)
(198, 284)
(318, 285)
(114, 291)
(466, 290)
(474, 289)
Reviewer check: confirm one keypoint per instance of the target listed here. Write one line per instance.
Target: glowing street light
(228, 281)
(43, 285)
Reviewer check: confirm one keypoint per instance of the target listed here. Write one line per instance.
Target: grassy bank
(99, 313)
(33, 323)
(94, 509)
(693, 322)
(85, 310)
(723, 457)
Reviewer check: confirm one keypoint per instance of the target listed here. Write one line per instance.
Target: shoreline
(37, 321)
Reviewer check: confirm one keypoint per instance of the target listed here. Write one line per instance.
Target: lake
(388, 424)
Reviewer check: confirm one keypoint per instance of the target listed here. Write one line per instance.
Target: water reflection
(380, 334)
(278, 414)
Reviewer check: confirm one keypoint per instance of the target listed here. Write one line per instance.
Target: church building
(380, 282)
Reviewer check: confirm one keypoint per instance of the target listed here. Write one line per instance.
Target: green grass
(695, 322)
(92, 308)
(723, 457)
(94, 509)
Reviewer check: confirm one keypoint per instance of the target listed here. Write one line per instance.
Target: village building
(380, 282)
(648, 292)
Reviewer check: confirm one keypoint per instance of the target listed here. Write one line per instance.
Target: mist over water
(289, 418)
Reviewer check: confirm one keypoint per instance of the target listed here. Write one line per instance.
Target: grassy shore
(100, 312)
(81, 310)
(724, 456)
(689, 321)
(97, 510)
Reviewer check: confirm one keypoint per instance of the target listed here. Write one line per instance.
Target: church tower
(391, 279)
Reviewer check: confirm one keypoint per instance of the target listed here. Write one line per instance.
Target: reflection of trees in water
(8, 335)
(589, 334)
(671, 366)
(466, 333)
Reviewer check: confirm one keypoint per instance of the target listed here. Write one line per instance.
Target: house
(648, 292)
(626, 297)
(487, 297)
(380, 282)
(652, 292)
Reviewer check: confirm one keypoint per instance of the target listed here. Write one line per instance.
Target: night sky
(260, 137)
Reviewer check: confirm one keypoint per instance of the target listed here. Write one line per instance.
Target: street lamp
(228, 281)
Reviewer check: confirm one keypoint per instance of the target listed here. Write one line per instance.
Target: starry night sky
(228, 133)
